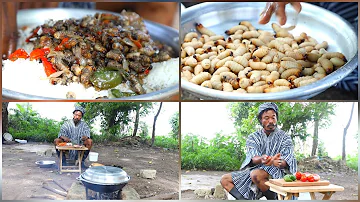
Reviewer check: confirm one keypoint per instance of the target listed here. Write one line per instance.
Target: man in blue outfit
(77, 132)
(269, 153)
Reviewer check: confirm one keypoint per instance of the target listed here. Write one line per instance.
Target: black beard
(269, 125)
(76, 121)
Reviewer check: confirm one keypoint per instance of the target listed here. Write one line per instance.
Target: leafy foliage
(351, 160)
(220, 153)
(165, 142)
(116, 118)
(174, 122)
(25, 123)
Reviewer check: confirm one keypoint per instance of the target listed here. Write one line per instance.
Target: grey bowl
(164, 34)
(45, 163)
(317, 22)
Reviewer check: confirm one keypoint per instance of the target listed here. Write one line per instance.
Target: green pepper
(293, 177)
(288, 178)
(117, 93)
(105, 79)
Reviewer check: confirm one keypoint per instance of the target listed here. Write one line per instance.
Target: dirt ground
(22, 178)
(208, 179)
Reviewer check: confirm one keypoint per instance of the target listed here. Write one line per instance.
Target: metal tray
(45, 163)
(317, 22)
(158, 32)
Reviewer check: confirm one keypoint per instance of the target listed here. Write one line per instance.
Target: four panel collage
(179, 100)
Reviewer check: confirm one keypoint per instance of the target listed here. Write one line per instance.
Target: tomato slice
(48, 67)
(37, 54)
(19, 53)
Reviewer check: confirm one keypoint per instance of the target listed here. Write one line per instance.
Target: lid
(8, 137)
(105, 175)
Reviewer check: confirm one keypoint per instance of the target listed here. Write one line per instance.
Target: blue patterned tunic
(258, 144)
(74, 133)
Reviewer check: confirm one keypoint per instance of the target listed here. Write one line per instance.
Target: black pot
(102, 188)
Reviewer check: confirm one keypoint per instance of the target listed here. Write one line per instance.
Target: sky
(207, 118)
(57, 110)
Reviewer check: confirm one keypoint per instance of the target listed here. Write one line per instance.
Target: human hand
(265, 159)
(277, 161)
(66, 139)
(279, 9)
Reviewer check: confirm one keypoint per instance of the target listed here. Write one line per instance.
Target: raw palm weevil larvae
(255, 61)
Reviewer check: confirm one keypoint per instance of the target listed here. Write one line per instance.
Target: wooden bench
(285, 193)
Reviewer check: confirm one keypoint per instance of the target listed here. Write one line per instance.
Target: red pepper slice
(37, 54)
(61, 47)
(136, 42)
(19, 53)
(46, 50)
(48, 67)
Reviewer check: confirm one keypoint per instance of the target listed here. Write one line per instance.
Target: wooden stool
(81, 151)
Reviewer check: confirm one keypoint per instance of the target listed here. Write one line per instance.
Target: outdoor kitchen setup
(104, 182)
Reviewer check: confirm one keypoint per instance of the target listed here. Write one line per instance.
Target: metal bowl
(45, 163)
(158, 32)
(105, 175)
(317, 22)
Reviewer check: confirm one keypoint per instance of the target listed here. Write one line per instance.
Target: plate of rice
(91, 54)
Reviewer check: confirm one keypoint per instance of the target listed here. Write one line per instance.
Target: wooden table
(75, 168)
(285, 193)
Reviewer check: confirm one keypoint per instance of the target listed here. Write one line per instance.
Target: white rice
(28, 77)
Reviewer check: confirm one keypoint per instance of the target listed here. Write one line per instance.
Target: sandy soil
(22, 177)
(199, 179)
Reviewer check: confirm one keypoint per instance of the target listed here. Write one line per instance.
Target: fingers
(267, 13)
(297, 6)
(280, 13)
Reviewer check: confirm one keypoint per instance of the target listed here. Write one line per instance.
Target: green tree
(115, 117)
(320, 112)
(343, 156)
(174, 122)
(26, 123)
(154, 125)
(5, 118)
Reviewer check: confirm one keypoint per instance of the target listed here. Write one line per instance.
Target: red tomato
(298, 175)
(310, 178)
(316, 177)
(303, 178)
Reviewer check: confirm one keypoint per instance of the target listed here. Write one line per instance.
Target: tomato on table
(298, 175)
(310, 178)
(303, 178)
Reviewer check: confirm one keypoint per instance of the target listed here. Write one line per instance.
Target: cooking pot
(104, 179)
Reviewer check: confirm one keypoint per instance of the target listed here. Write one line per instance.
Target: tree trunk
(315, 139)
(153, 130)
(5, 119)
(136, 120)
(343, 158)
